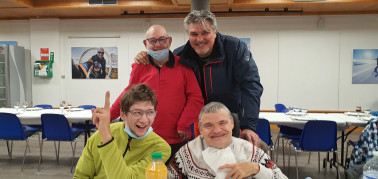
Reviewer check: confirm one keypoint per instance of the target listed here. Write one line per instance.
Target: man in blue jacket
(225, 70)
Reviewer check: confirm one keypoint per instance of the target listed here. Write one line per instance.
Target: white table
(350, 120)
(300, 121)
(34, 117)
(342, 120)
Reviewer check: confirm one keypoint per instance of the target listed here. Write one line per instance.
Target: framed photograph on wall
(94, 62)
(246, 41)
(365, 66)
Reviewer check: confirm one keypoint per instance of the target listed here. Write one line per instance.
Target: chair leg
(40, 155)
(272, 153)
(39, 139)
(283, 152)
(73, 155)
(337, 165)
(309, 156)
(318, 162)
(277, 144)
(23, 161)
(325, 168)
(28, 148)
(57, 151)
(288, 166)
(10, 149)
(296, 162)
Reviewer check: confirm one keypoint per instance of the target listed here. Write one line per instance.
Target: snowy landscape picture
(365, 66)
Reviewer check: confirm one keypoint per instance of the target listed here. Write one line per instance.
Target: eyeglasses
(139, 114)
(161, 40)
(100, 52)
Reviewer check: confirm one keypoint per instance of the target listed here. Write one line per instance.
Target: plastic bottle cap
(157, 156)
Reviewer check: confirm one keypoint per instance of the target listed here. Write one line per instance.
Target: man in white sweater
(216, 154)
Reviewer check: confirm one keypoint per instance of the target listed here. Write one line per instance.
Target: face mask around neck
(158, 55)
(131, 134)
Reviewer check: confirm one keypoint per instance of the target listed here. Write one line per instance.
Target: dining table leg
(87, 132)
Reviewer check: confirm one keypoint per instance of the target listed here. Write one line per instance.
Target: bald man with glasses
(176, 88)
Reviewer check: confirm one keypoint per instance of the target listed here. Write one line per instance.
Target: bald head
(157, 38)
(156, 31)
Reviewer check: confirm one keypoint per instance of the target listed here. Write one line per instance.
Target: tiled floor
(11, 169)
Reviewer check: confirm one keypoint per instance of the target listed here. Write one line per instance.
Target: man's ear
(170, 41)
(122, 115)
(145, 43)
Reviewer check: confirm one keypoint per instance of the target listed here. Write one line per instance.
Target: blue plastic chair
(286, 132)
(43, 106)
(10, 130)
(55, 127)
(317, 136)
(263, 130)
(38, 127)
(87, 107)
(280, 107)
(83, 126)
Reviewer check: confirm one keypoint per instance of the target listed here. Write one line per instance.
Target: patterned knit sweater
(189, 162)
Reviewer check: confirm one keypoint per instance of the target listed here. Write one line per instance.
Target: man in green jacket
(123, 149)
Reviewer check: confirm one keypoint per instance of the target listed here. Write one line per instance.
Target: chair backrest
(56, 127)
(319, 136)
(290, 131)
(374, 113)
(44, 106)
(280, 107)
(10, 127)
(263, 130)
(86, 107)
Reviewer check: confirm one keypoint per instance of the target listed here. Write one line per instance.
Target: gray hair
(212, 108)
(200, 17)
(100, 49)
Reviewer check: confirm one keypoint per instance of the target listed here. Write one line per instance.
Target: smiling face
(202, 38)
(156, 32)
(100, 55)
(139, 126)
(216, 128)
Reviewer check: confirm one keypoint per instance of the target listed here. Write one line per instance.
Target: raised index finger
(107, 101)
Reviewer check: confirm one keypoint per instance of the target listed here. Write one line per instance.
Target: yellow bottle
(156, 169)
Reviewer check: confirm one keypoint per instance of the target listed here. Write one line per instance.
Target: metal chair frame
(55, 127)
(11, 129)
(263, 130)
(317, 136)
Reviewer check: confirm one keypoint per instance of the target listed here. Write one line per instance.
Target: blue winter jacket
(230, 77)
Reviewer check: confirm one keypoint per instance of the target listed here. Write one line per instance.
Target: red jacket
(178, 94)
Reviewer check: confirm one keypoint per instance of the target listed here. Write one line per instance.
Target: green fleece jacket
(107, 161)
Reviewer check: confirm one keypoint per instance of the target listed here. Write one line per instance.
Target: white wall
(303, 60)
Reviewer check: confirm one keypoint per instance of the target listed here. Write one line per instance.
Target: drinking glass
(367, 111)
(69, 105)
(16, 106)
(304, 110)
(62, 105)
(358, 110)
(25, 105)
